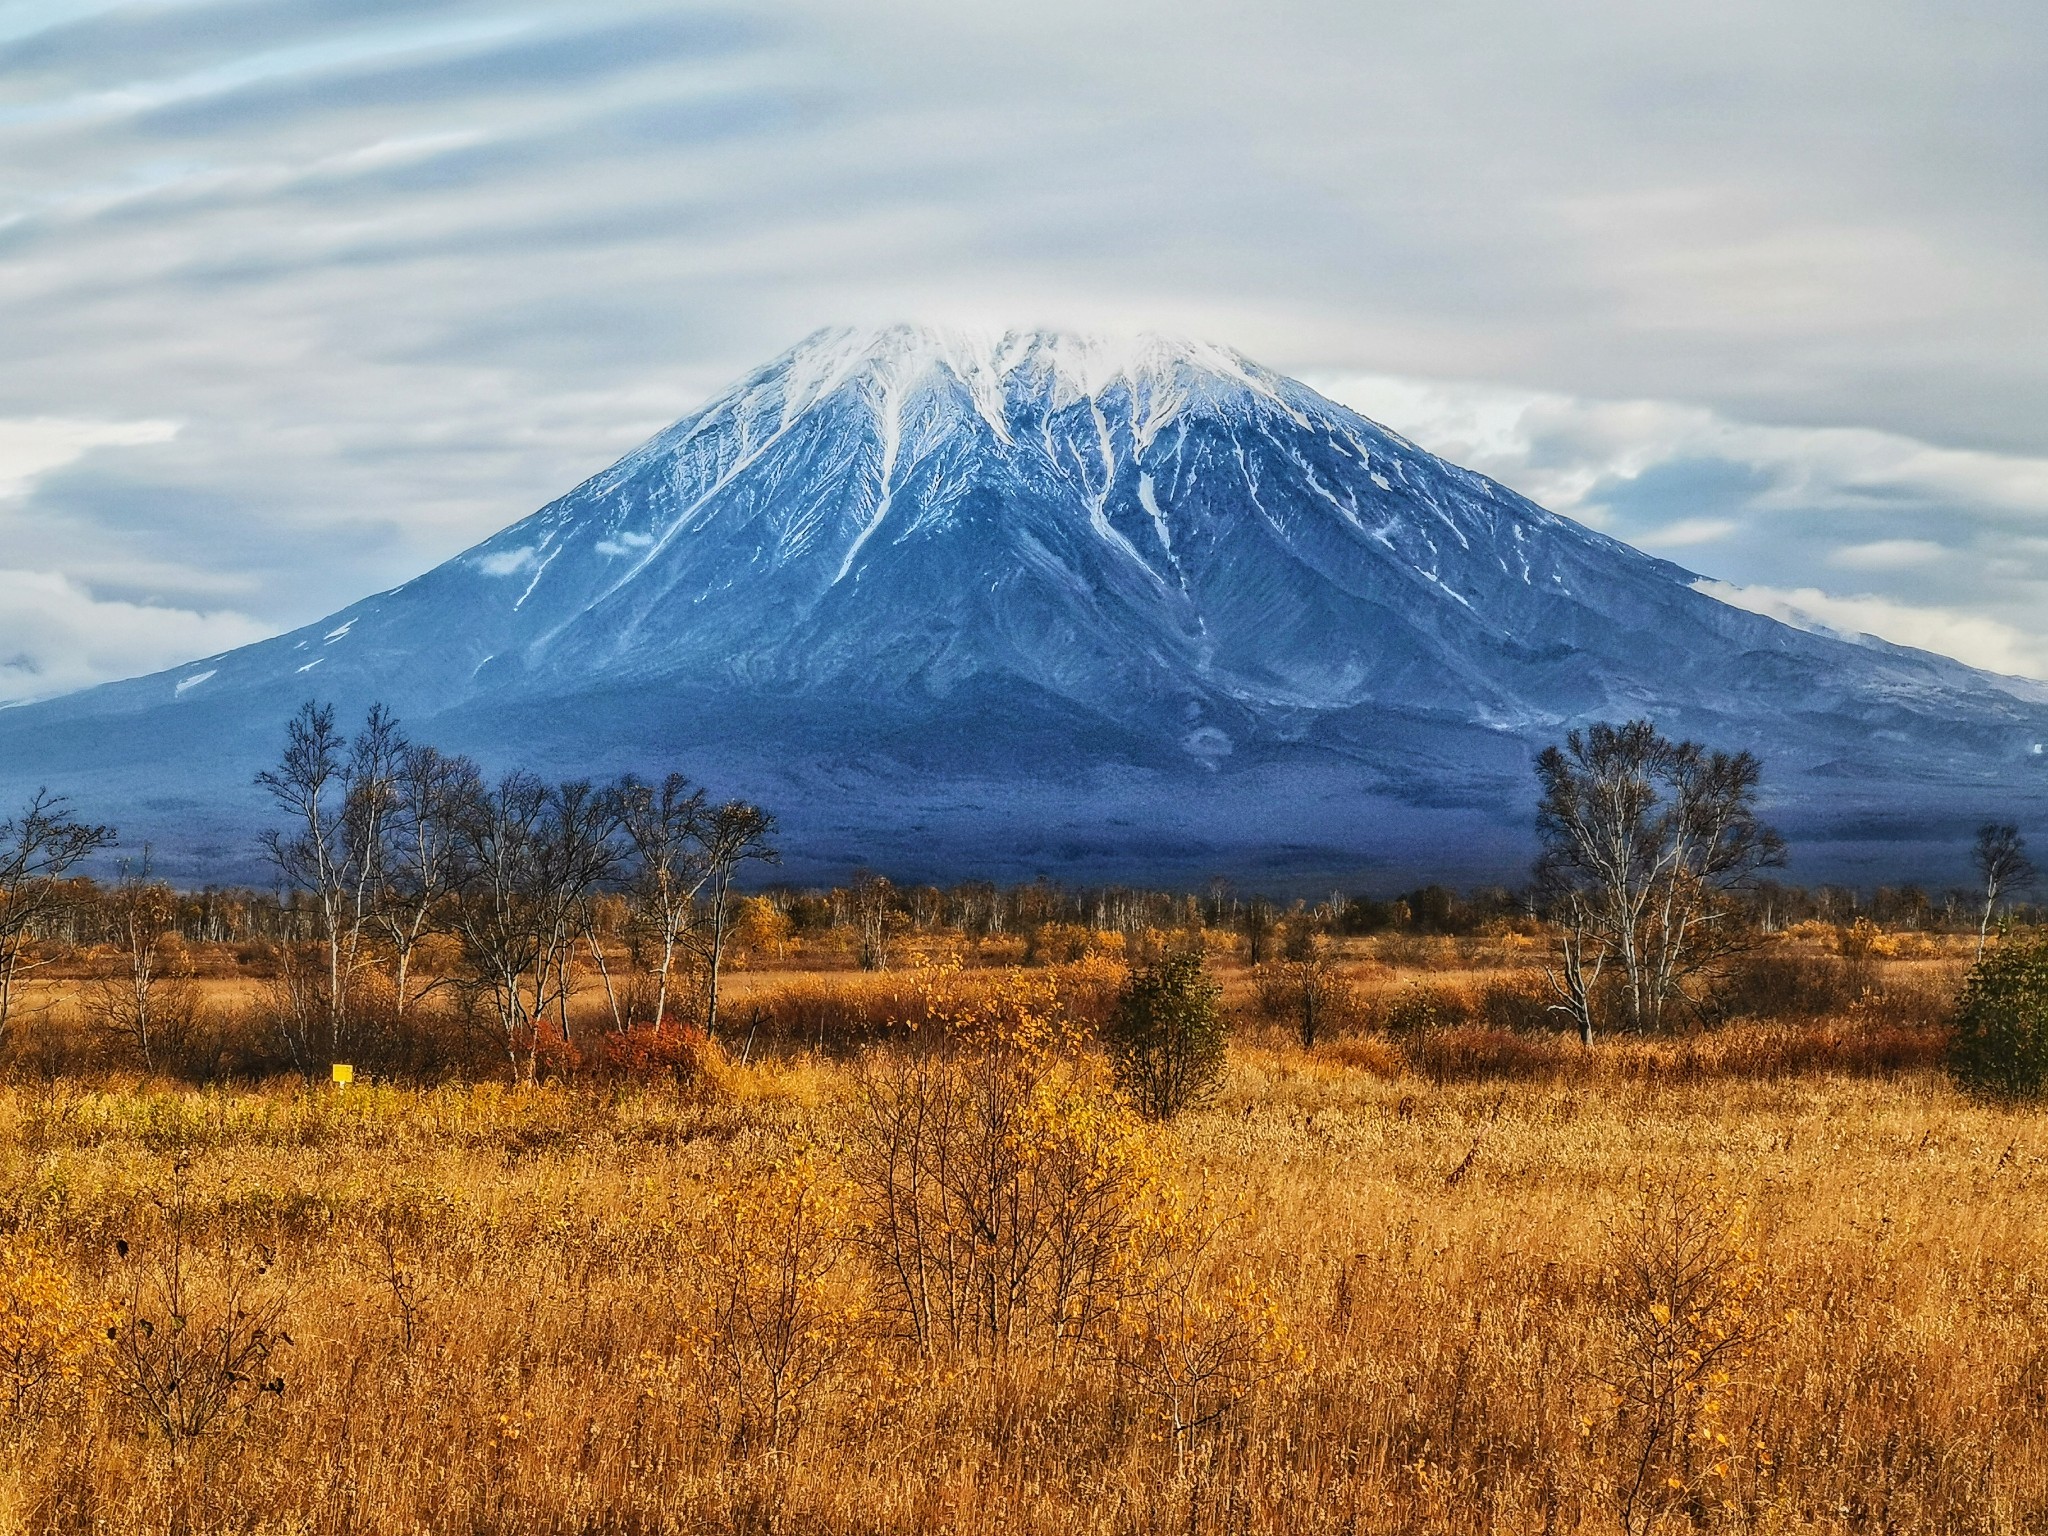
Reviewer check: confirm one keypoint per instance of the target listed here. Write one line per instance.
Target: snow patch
(889, 414)
(199, 677)
(1148, 498)
(539, 571)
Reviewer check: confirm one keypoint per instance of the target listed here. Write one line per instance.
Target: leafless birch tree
(2002, 868)
(430, 790)
(337, 796)
(528, 856)
(665, 826)
(735, 835)
(147, 1005)
(1644, 841)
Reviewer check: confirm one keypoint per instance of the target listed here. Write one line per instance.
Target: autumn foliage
(910, 1241)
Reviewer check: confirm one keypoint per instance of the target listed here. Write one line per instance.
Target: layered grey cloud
(324, 292)
(1850, 529)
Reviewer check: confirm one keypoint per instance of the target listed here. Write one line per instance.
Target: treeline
(250, 920)
(424, 913)
(404, 872)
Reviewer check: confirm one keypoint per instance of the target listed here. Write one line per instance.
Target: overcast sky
(298, 297)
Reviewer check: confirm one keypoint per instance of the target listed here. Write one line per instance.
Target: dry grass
(490, 1303)
(1458, 1276)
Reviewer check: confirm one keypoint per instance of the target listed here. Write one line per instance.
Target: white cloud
(56, 636)
(328, 54)
(32, 447)
(404, 150)
(1968, 637)
(1573, 455)
(506, 562)
(1888, 555)
(1688, 532)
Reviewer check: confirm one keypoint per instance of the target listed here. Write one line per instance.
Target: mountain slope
(1051, 603)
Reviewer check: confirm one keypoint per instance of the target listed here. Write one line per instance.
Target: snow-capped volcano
(1052, 601)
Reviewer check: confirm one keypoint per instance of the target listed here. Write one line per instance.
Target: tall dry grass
(503, 1312)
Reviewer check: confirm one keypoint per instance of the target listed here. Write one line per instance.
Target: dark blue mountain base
(1037, 606)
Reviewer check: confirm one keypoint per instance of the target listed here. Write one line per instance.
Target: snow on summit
(894, 363)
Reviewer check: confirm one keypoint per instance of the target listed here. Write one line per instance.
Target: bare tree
(874, 905)
(581, 855)
(735, 835)
(1259, 923)
(528, 857)
(498, 833)
(39, 846)
(146, 1006)
(2002, 868)
(430, 789)
(1644, 842)
(978, 907)
(665, 826)
(337, 796)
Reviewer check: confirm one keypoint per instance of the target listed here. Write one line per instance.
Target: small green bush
(2001, 1039)
(1166, 1037)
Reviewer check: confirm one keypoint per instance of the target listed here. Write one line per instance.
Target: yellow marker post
(344, 1074)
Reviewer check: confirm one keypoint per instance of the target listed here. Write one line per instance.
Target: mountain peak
(916, 571)
(999, 372)
(1085, 363)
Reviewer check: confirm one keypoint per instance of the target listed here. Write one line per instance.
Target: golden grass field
(1392, 1290)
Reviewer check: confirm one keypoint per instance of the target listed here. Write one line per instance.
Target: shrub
(1066, 943)
(2001, 1038)
(1202, 1338)
(1006, 1199)
(1684, 1281)
(45, 1333)
(837, 1013)
(667, 1050)
(1473, 1053)
(779, 1313)
(1165, 1037)
(1420, 1007)
(191, 1357)
(1785, 982)
(1522, 1001)
(1312, 995)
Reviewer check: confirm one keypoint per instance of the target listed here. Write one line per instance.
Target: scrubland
(891, 1256)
